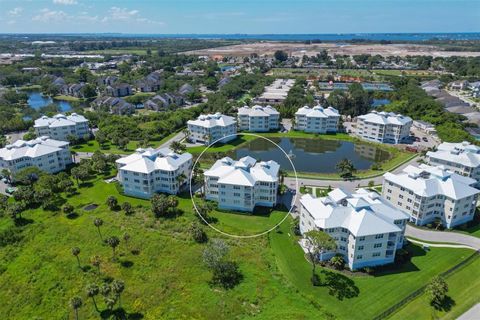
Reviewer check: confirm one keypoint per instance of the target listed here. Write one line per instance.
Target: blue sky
(234, 16)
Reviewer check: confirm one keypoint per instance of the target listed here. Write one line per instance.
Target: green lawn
(92, 146)
(375, 293)
(167, 279)
(464, 290)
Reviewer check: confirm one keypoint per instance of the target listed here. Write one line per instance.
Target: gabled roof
(385, 118)
(363, 213)
(246, 171)
(149, 159)
(317, 112)
(59, 120)
(32, 148)
(429, 181)
(212, 120)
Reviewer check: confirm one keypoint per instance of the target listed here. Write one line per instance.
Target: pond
(36, 100)
(380, 102)
(312, 155)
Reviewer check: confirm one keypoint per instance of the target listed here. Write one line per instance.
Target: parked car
(417, 139)
(10, 190)
(425, 139)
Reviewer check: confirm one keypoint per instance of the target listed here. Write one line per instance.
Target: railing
(421, 290)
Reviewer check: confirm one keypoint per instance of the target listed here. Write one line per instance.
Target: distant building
(108, 80)
(459, 85)
(60, 126)
(424, 126)
(384, 127)
(113, 105)
(212, 127)
(427, 193)
(462, 158)
(243, 184)
(277, 92)
(148, 171)
(119, 90)
(185, 89)
(258, 118)
(317, 119)
(44, 153)
(74, 90)
(366, 228)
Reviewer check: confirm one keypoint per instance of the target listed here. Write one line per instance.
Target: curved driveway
(443, 236)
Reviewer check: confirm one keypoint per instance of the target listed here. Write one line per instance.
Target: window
(376, 254)
(377, 245)
(379, 236)
(360, 247)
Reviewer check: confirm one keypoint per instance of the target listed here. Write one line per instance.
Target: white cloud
(15, 12)
(47, 15)
(65, 2)
(124, 14)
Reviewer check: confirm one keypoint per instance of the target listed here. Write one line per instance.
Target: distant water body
(324, 37)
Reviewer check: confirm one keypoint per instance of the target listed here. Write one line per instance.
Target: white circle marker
(235, 235)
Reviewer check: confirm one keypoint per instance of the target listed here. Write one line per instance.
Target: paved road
(472, 314)
(443, 236)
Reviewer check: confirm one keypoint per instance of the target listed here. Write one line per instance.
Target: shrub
(226, 274)
(316, 280)
(197, 233)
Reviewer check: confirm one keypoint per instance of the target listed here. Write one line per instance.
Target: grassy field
(164, 274)
(165, 280)
(68, 98)
(465, 294)
(92, 146)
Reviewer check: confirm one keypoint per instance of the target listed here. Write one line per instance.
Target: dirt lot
(299, 49)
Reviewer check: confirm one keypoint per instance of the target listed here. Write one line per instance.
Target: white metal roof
(60, 120)
(318, 112)
(429, 181)
(149, 159)
(246, 171)
(213, 120)
(258, 111)
(32, 148)
(363, 213)
(385, 118)
(463, 153)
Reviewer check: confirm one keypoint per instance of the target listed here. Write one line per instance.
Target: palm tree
(337, 262)
(76, 252)
(345, 167)
(126, 237)
(113, 242)
(177, 147)
(186, 133)
(110, 302)
(96, 261)
(98, 223)
(92, 290)
(112, 202)
(117, 287)
(181, 179)
(76, 302)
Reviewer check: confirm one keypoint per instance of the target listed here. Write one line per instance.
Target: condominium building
(44, 153)
(462, 158)
(366, 228)
(212, 127)
(241, 185)
(317, 119)
(148, 171)
(60, 126)
(428, 193)
(258, 118)
(384, 127)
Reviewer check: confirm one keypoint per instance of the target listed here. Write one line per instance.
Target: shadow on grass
(340, 286)
(447, 304)
(402, 267)
(126, 263)
(20, 221)
(72, 216)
